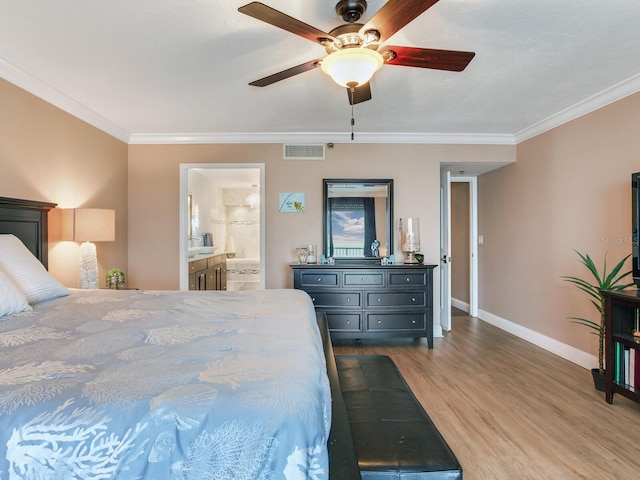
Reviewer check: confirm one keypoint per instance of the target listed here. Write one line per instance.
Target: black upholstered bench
(394, 437)
(343, 464)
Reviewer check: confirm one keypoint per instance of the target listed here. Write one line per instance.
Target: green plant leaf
(600, 281)
(586, 322)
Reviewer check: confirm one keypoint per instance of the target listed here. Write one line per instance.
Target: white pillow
(27, 272)
(11, 299)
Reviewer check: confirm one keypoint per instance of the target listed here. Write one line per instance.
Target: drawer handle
(319, 280)
(348, 299)
(348, 322)
(408, 279)
(379, 299)
(313, 299)
(413, 299)
(362, 279)
(379, 322)
(413, 321)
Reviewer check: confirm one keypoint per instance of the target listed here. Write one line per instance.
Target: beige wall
(49, 155)
(460, 246)
(154, 197)
(570, 189)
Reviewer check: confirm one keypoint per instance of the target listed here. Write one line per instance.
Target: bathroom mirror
(358, 219)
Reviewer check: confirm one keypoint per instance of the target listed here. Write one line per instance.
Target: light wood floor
(510, 410)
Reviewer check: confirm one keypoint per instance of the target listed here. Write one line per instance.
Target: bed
(98, 384)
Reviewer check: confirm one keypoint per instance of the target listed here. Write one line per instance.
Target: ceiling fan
(354, 49)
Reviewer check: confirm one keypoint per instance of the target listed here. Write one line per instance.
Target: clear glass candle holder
(312, 254)
(410, 238)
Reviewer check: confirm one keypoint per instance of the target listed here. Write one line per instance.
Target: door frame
(182, 231)
(473, 241)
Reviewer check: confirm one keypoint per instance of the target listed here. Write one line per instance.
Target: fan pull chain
(353, 121)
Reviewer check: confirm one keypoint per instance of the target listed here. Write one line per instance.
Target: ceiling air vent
(304, 152)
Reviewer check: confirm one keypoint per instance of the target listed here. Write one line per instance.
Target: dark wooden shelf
(626, 339)
(621, 310)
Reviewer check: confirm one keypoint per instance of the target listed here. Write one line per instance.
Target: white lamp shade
(352, 65)
(88, 224)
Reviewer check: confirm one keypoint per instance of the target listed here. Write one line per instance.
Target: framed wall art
(291, 203)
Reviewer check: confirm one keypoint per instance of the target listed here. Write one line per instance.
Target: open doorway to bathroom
(222, 220)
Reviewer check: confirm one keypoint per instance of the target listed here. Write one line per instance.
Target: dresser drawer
(197, 265)
(367, 279)
(345, 322)
(396, 321)
(396, 299)
(337, 299)
(407, 278)
(322, 279)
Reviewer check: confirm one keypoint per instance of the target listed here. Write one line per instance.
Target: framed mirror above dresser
(358, 219)
(360, 297)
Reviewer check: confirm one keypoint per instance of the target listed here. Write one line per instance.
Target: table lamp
(88, 225)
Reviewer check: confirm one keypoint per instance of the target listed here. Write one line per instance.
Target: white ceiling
(177, 70)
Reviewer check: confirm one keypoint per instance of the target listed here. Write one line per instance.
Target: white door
(445, 250)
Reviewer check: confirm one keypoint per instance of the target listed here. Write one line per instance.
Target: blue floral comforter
(158, 385)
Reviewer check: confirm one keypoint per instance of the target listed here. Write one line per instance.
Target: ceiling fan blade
(451, 60)
(282, 20)
(394, 15)
(360, 94)
(289, 72)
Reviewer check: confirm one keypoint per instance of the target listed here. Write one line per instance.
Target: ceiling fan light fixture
(352, 65)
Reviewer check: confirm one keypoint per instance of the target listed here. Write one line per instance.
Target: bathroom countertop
(205, 255)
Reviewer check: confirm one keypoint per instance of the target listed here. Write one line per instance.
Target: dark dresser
(371, 301)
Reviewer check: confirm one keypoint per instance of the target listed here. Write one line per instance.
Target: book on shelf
(626, 365)
(617, 364)
(626, 358)
(636, 376)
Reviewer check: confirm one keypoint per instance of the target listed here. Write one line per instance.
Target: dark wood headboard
(27, 220)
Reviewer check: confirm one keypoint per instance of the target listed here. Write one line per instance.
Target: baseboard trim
(464, 306)
(437, 331)
(552, 345)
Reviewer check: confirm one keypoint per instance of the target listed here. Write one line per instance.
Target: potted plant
(593, 287)
(115, 278)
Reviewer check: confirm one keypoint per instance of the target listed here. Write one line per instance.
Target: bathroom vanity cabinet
(209, 273)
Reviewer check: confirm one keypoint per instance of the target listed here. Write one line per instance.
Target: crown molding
(363, 137)
(13, 74)
(591, 104)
